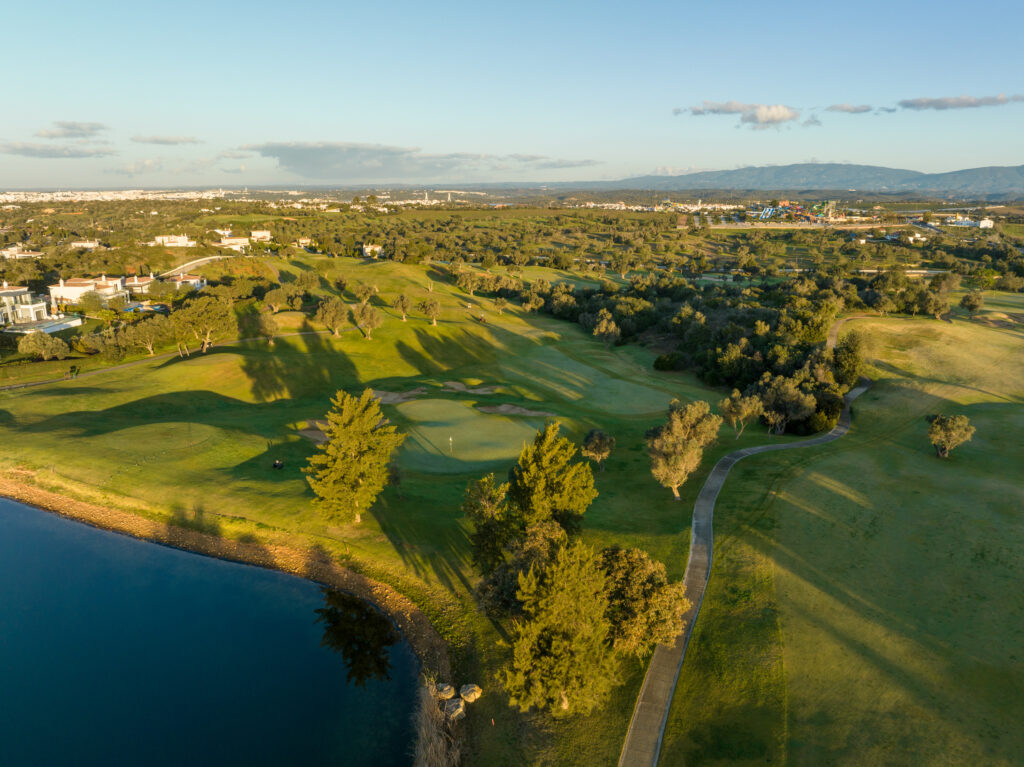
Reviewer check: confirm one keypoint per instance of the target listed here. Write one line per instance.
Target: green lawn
(865, 605)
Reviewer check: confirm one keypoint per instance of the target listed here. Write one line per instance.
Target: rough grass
(865, 606)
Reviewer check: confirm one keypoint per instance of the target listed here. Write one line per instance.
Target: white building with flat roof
(18, 305)
(237, 244)
(18, 251)
(85, 244)
(173, 241)
(260, 235)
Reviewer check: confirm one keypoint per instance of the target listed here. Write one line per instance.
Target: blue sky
(226, 93)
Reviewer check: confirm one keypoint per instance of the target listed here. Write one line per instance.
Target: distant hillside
(835, 176)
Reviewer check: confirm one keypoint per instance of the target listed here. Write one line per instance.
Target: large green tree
(597, 446)
(548, 483)
(43, 346)
(606, 329)
(561, 659)
(366, 319)
(848, 357)
(349, 470)
(493, 527)
(973, 302)
(332, 314)
(676, 448)
(739, 410)
(644, 608)
(947, 432)
(785, 402)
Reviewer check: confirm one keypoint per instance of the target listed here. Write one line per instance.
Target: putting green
(153, 439)
(477, 439)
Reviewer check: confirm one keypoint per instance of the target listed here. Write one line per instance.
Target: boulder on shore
(445, 691)
(470, 692)
(455, 709)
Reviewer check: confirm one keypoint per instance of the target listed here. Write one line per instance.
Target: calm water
(114, 651)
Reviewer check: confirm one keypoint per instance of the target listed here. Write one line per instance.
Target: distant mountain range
(979, 182)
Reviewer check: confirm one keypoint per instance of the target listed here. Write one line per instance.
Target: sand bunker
(398, 397)
(461, 387)
(314, 432)
(512, 410)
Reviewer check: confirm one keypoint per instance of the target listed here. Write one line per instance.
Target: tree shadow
(360, 633)
(442, 551)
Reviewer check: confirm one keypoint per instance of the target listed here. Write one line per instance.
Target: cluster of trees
(766, 341)
(574, 611)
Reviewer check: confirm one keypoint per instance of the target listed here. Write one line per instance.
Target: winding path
(643, 739)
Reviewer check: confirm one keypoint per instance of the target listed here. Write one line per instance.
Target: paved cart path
(646, 729)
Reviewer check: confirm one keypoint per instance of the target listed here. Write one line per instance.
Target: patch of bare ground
(313, 564)
(398, 397)
(512, 410)
(461, 387)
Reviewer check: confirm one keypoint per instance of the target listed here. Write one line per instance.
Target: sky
(225, 93)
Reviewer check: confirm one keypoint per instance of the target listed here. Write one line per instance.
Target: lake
(115, 651)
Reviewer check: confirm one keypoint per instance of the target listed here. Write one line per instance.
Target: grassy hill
(865, 604)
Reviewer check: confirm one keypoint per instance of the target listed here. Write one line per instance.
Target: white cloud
(72, 129)
(959, 102)
(754, 115)
(346, 161)
(50, 151)
(166, 140)
(850, 109)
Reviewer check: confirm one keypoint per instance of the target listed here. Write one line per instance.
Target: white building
(85, 244)
(70, 291)
(986, 223)
(188, 281)
(137, 285)
(237, 244)
(260, 235)
(173, 241)
(372, 251)
(18, 305)
(223, 232)
(18, 251)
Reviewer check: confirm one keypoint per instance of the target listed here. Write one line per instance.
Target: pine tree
(561, 660)
(350, 469)
(548, 484)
